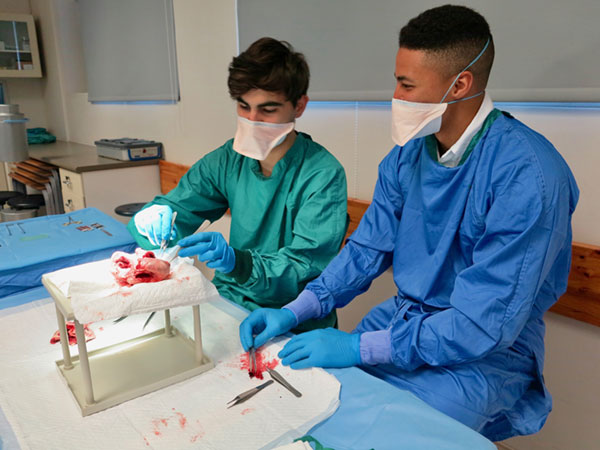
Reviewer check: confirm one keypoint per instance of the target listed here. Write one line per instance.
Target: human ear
(463, 84)
(301, 106)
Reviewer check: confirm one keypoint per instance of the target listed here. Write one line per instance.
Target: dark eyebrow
(403, 78)
(262, 105)
(267, 104)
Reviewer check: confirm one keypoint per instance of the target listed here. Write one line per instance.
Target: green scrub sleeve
(243, 266)
(197, 197)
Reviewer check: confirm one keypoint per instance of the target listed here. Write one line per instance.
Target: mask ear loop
(463, 71)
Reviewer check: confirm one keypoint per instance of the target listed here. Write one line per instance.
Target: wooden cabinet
(19, 55)
(72, 190)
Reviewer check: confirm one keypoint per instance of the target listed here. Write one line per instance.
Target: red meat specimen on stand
(88, 333)
(143, 267)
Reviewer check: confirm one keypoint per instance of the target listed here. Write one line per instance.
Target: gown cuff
(243, 266)
(306, 306)
(376, 347)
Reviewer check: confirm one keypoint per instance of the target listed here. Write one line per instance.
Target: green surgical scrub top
(285, 228)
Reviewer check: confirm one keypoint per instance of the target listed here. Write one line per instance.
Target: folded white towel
(95, 294)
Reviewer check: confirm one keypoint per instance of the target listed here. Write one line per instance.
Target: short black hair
(270, 65)
(453, 35)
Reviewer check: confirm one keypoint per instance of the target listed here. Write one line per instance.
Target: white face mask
(256, 139)
(411, 120)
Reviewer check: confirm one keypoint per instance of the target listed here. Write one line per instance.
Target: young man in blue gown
(472, 210)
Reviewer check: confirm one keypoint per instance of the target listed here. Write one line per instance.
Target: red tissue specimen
(261, 364)
(142, 267)
(89, 334)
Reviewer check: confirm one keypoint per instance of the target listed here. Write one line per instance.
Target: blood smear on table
(262, 363)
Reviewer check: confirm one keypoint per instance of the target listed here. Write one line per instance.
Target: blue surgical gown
(479, 253)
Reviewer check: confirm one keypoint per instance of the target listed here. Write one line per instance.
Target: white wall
(358, 134)
(200, 122)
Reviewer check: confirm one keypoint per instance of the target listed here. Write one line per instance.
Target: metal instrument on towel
(145, 323)
(71, 221)
(252, 361)
(100, 227)
(248, 394)
(277, 377)
(148, 319)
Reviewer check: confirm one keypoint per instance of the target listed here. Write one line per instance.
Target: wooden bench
(580, 302)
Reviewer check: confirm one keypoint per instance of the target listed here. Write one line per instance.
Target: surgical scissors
(248, 394)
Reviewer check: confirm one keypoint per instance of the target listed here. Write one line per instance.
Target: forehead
(259, 96)
(416, 65)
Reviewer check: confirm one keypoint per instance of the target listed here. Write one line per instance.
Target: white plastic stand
(111, 375)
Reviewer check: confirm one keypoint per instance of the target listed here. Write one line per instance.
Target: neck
(455, 121)
(268, 164)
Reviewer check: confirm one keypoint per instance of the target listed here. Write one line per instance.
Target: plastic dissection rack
(120, 372)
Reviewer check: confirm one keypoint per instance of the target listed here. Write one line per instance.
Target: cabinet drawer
(72, 190)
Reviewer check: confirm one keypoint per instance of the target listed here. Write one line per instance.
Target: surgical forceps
(165, 242)
(248, 394)
(252, 361)
(277, 377)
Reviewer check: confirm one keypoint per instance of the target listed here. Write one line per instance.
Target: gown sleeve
(367, 253)
(199, 196)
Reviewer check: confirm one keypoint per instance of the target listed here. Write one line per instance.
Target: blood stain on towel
(156, 423)
(262, 363)
(87, 331)
(146, 441)
(194, 430)
(200, 434)
(182, 420)
(197, 436)
(246, 411)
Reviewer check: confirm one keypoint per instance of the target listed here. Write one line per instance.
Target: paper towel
(191, 414)
(95, 294)
(298, 445)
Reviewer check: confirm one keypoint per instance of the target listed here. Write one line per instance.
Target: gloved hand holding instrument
(155, 222)
(210, 247)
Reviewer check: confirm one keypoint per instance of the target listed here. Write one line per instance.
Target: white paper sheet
(191, 414)
(96, 295)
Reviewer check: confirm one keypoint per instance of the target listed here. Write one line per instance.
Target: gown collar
(283, 163)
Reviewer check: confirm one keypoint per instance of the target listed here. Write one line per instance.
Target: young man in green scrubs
(287, 194)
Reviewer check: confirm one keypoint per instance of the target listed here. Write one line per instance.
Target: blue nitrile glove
(154, 222)
(322, 348)
(212, 248)
(266, 323)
